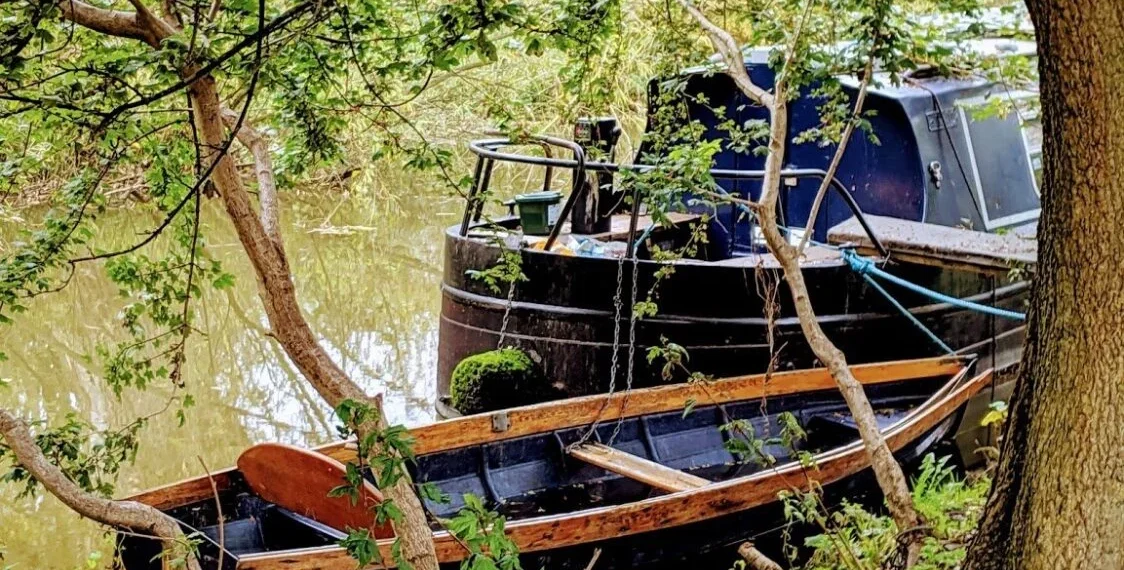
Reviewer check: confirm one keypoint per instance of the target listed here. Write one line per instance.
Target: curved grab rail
(486, 149)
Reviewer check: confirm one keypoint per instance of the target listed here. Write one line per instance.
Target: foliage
(996, 414)
(89, 457)
(182, 551)
(497, 379)
(505, 273)
(481, 532)
(83, 111)
(84, 114)
(856, 538)
(674, 357)
(383, 453)
(850, 535)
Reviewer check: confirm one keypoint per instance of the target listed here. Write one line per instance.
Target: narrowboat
(643, 477)
(945, 198)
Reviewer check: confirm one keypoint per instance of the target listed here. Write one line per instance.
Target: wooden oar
(299, 480)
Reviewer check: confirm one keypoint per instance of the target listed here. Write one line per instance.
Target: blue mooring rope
(866, 267)
(932, 336)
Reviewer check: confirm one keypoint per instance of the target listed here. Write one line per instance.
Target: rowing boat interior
(534, 475)
(547, 474)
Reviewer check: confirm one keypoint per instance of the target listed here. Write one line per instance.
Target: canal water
(367, 269)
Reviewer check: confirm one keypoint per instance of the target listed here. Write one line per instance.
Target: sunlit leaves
(431, 492)
(361, 546)
(504, 273)
(383, 453)
(481, 531)
(41, 255)
(996, 414)
(89, 457)
(853, 536)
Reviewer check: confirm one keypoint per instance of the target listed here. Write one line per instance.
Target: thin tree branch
(845, 138)
(755, 559)
(888, 473)
(258, 146)
(117, 23)
(145, 17)
(213, 13)
(91, 17)
(218, 510)
(731, 53)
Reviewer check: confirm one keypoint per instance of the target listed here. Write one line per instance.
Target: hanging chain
(507, 310)
(631, 348)
(617, 303)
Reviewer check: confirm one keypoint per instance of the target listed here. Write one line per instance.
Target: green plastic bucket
(537, 210)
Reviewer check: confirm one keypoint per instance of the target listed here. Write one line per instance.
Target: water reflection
(367, 272)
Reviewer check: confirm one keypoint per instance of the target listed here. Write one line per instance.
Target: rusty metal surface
(942, 243)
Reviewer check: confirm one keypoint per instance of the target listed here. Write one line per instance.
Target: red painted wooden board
(299, 480)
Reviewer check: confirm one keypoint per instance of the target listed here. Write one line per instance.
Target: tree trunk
(1058, 497)
(287, 323)
(886, 469)
(263, 245)
(132, 515)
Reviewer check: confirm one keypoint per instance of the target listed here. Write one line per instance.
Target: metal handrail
(486, 149)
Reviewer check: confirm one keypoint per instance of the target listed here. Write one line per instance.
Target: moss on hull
(497, 379)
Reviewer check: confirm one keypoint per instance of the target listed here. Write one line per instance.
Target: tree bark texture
(1058, 497)
(755, 559)
(288, 324)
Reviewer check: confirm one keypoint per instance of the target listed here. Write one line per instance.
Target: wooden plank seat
(637, 468)
(941, 246)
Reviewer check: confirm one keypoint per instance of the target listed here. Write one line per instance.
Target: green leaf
(224, 281)
(688, 407)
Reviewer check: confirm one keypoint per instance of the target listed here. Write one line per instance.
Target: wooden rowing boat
(665, 486)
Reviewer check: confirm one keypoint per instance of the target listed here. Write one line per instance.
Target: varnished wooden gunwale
(636, 468)
(574, 412)
(675, 509)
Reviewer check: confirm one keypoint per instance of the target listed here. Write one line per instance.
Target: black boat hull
(564, 316)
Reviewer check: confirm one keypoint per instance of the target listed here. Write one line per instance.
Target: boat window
(1002, 166)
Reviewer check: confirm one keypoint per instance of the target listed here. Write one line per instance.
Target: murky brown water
(369, 282)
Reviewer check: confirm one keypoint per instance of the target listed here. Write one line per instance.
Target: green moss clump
(497, 379)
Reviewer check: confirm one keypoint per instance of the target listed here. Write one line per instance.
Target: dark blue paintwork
(918, 125)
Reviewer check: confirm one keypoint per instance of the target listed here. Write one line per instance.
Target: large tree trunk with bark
(287, 323)
(1058, 497)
